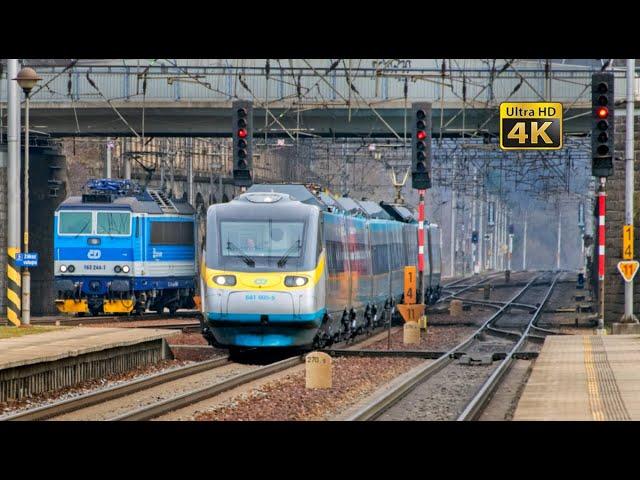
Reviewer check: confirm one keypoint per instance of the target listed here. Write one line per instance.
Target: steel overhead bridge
(306, 99)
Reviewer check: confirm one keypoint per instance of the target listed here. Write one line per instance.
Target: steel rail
(160, 408)
(475, 407)
(93, 398)
(378, 405)
(96, 320)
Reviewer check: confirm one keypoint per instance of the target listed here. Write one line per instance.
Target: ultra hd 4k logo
(94, 254)
(531, 126)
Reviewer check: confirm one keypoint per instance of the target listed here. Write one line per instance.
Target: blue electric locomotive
(121, 248)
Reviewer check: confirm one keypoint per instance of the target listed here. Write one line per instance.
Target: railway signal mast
(242, 127)
(421, 172)
(602, 136)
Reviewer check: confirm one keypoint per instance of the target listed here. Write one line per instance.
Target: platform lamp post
(27, 79)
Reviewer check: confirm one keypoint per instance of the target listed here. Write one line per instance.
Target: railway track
(97, 320)
(388, 398)
(174, 402)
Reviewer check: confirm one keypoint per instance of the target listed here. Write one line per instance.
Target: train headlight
(117, 269)
(295, 281)
(71, 269)
(126, 269)
(229, 280)
(63, 268)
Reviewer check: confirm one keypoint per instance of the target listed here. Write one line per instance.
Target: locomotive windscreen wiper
(247, 259)
(283, 260)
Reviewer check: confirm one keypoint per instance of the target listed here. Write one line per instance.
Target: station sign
(530, 126)
(27, 259)
(628, 269)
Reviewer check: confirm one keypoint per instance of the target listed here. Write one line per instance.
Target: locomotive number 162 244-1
(92, 267)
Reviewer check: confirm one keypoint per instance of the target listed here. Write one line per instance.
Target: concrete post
(559, 213)
(107, 166)
(524, 242)
(26, 275)
(481, 236)
(127, 158)
(629, 179)
(14, 281)
(453, 230)
(190, 170)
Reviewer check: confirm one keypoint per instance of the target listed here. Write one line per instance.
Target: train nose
(260, 304)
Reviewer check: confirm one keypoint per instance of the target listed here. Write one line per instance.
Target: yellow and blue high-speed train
(284, 267)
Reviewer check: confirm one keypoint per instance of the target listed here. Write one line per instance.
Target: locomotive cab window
(75, 223)
(172, 233)
(114, 223)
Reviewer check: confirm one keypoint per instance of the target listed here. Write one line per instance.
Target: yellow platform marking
(595, 401)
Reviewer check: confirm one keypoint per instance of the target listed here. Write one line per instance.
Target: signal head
(242, 112)
(602, 112)
(242, 133)
(421, 134)
(421, 115)
(602, 87)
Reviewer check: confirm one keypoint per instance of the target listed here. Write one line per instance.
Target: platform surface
(50, 346)
(578, 377)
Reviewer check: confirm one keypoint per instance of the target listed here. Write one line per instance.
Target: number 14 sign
(628, 269)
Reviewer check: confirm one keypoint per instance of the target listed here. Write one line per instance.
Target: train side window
(137, 219)
(172, 233)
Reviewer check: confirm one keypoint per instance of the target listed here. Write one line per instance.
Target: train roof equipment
(111, 193)
(398, 212)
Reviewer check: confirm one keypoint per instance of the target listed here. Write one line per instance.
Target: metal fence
(309, 86)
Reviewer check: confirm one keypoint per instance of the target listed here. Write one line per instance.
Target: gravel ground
(10, 408)
(476, 315)
(288, 399)
(191, 338)
(443, 396)
(436, 339)
(119, 406)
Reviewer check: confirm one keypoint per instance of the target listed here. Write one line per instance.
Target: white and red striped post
(602, 209)
(420, 245)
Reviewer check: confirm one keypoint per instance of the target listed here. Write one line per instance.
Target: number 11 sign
(628, 269)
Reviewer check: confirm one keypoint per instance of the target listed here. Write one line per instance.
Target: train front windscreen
(263, 245)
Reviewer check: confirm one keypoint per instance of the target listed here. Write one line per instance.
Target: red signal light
(602, 112)
(242, 133)
(421, 134)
